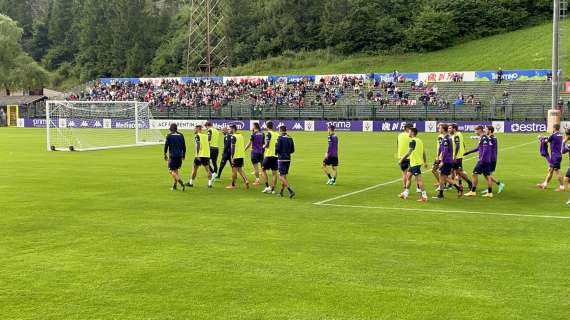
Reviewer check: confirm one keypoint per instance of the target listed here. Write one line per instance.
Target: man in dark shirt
(331, 157)
(226, 152)
(285, 148)
(175, 153)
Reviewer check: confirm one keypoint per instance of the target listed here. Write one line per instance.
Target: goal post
(99, 125)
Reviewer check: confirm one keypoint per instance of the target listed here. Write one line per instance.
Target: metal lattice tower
(206, 51)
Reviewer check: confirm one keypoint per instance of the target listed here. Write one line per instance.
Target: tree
(17, 69)
(432, 30)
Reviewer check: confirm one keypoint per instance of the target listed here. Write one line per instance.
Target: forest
(74, 41)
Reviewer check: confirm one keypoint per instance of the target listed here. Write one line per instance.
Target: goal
(98, 125)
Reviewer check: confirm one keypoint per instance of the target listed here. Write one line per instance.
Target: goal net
(97, 125)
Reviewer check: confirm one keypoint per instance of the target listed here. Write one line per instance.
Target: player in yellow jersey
(403, 145)
(269, 158)
(237, 157)
(214, 140)
(458, 154)
(416, 155)
(202, 157)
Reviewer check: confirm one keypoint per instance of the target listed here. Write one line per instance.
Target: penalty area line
(445, 211)
(400, 179)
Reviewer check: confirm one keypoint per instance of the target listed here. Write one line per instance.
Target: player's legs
(195, 167)
(489, 180)
(256, 173)
(421, 186)
(221, 167)
(213, 161)
(435, 171)
(335, 172)
(547, 179)
(407, 183)
(209, 174)
(243, 176)
(560, 178)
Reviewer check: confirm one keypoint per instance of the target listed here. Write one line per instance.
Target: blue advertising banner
(294, 125)
(388, 77)
(198, 79)
(291, 79)
(512, 75)
(110, 81)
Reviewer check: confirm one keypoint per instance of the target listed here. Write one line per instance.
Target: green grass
(99, 235)
(523, 49)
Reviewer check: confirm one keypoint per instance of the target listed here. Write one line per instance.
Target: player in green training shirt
(214, 140)
(417, 157)
(237, 156)
(403, 144)
(458, 154)
(202, 157)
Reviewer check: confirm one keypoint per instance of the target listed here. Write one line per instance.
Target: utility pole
(206, 50)
(555, 54)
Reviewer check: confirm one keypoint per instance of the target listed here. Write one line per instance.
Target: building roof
(20, 100)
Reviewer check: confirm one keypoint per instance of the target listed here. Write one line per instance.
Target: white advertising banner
(182, 124)
(446, 76)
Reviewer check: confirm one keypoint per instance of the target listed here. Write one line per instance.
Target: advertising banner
(110, 81)
(397, 126)
(246, 79)
(159, 81)
(291, 79)
(389, 77)
(512, 75)
(447, 76)
(328, 77)
(198, 79)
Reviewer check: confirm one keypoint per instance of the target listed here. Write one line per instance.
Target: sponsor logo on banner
(182, 124)
(446, 76)
(499, 126)
(527, 127)
(565, 125)
(367, 126)
(340, 125)
(431, 126)
(107, 123)
(62, 123)
(298, 127)
(241, 125)
(309, 125)
(20, 123)
(394, 126)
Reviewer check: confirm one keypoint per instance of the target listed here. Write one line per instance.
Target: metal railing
(499, 110)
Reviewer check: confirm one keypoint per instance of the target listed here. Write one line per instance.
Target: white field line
(400, 179)
(445, 211)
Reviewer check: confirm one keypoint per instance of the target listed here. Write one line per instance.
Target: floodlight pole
(555, 54)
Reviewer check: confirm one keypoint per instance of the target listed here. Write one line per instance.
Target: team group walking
(271, 156)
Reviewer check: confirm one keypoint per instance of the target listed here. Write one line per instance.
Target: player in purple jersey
(566, 149)
(494, 147)
(483, 166)
(554, 158)
(436, 162)
(256, 143)
(331, 156)
(446, 162)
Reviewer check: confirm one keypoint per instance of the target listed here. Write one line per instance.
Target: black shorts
(568, 173)
(174, 163)
(493, 166)
(214, 153)
(446, 169)
(270, 163)
(555, 163)
(284, 167)
(256, 157)
(226, 157)
(416, 170)
(483, 168)
(405, 165)
(200, 161)
(331, 161)
(458, 164)
(238, 163)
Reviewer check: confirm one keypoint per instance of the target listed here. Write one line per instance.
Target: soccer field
(99, 235)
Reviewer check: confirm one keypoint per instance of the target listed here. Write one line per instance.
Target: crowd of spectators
(260, 94)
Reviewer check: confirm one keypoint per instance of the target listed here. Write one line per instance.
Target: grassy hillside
(524, 49)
